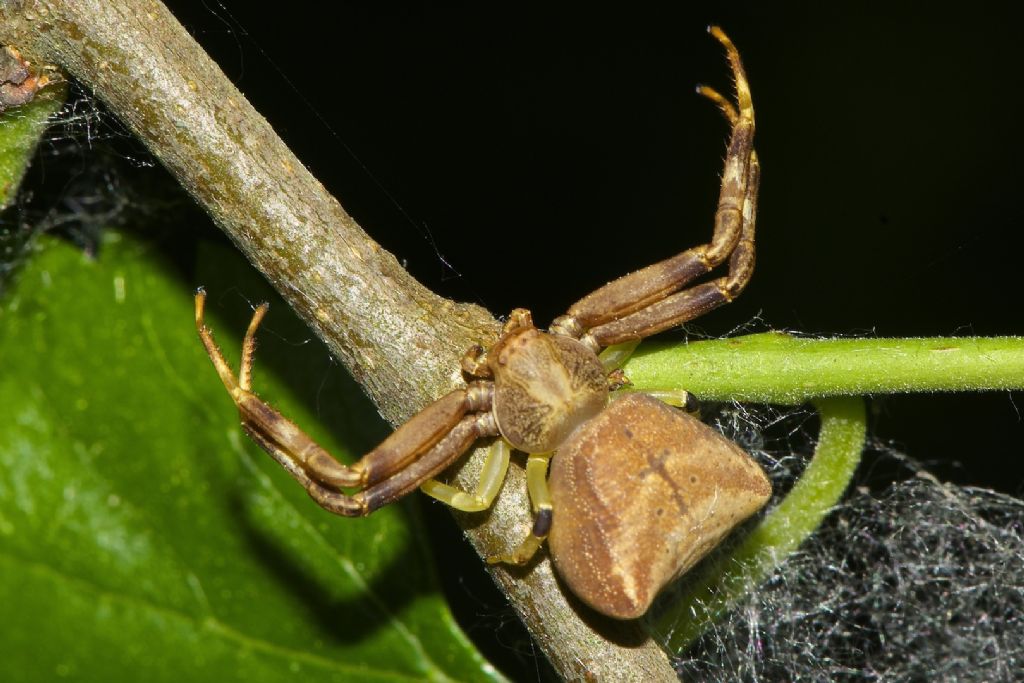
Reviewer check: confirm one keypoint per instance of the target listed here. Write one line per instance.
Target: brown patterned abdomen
(640, 494)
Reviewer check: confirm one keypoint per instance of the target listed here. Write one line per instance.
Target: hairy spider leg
(417, 451)
(652, 299)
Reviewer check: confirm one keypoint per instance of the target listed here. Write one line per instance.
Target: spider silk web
(75, 186)
(914, 580)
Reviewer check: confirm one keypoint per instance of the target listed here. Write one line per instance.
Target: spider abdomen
(640, 494)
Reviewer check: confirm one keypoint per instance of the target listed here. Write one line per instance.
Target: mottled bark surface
(398, 339)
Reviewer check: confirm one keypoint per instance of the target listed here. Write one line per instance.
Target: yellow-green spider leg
(677, 398)
(615, 356)
(540, 497)
(491, 477)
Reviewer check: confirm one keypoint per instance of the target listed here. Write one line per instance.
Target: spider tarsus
(718, 34)
(200, 304)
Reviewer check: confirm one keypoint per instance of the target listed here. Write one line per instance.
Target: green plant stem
(779, 368)
(784, 528)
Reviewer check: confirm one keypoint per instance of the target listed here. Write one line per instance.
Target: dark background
(523, 155)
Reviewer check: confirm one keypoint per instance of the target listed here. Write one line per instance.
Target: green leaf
(142, 537)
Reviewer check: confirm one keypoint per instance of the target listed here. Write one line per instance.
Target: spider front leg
(653, 299)
(414, 453)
